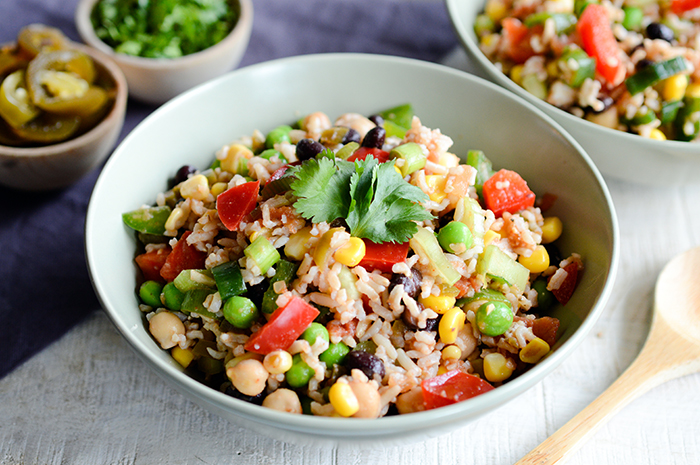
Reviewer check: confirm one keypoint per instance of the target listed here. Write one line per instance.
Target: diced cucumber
(347, 281)
(484, 168)
(148, 220)
(194, 302)
(494, 262)
(229, 279)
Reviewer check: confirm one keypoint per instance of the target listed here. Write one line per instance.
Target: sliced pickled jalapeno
(58, 82)
(37, 38)
(16, 108)
(48, 128)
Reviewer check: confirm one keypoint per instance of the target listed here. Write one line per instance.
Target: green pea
(335, 354)
(269, 153)
(241, 312)
(314, 331)
(494, 318)
(278, 135)
(150, 293)
(173, 297)
(545, 298)
(455, 232)
(300, 374)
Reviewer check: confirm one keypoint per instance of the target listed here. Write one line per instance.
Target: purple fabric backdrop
(44, 284)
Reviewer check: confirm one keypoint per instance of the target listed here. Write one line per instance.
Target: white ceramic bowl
(60, 165)
(156, 81)
(617, 154)
(474, 112)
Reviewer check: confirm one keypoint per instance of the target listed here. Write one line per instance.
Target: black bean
(660, 31)
(411, 322)
(377, 119)
(431, 324)
(351, 136)
(183, 173)
(233, 392)
(554, 254)
(369, 364)
(643, 63)
(256, 292)
(411, 285)
(375, 138)
(607, 102)
(308, 148)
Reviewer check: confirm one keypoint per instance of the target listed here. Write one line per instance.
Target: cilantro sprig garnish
(376, 202)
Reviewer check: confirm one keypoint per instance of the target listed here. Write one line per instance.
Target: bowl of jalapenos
(62, 108)
(165, 47)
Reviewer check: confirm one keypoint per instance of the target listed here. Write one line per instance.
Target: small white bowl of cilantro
(165, 47)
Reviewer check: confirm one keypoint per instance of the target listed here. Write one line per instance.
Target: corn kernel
(182, 356)
(490, 236)
(674, 87)
(448, 160)
(551, 229)
(218, 188)
(656, 134)
(496, 10)
(176, 219)
(516, 74)
(438, 303)
(351, 253)
(278, 361)
(496, 367)
(441, 370)
(298, 244)
(343, 399)
(261, 232)
(489, 40)
(196, 187)
(534, 351)
(552, 69)
(537, 262)
(236, 155)
(323, 248)
(436, 187)
(451, 324)
(451, 352)
(693, 90)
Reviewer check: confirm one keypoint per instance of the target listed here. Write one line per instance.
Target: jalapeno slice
(36, 38)
(48, 128)
(60, 82)
(16, 107)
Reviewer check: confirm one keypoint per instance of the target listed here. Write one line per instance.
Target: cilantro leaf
(384, 205)
(322, 189)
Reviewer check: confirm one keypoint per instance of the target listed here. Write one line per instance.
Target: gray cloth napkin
(44, 283)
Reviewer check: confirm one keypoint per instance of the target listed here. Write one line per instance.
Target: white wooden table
(87, 399)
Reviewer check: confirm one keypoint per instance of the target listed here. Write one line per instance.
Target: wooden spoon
(671, 350)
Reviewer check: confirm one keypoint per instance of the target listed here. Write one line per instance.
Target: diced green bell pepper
(148, 220)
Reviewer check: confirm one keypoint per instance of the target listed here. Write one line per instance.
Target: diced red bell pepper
(183, 257)
(566, 289)
(452, 387)
(279, 172)
(506, 191)
(681, 6)
(151, 263)
(546, 329)
(383, 256)
(237, 202)
(382, 156)
(283, 328)
(517, 37)
(599, 42)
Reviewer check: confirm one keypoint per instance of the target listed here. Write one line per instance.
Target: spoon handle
(664, 356)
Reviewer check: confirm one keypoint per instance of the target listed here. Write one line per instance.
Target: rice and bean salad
(352, 267)
(630, 65)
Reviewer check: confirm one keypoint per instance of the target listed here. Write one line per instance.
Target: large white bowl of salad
(319, 246)
(620, 76)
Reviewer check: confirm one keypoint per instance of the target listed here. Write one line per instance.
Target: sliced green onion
(412, 156)
(576, 66)
(655, 72)
(563, 22)
(194, 279)
(484, 169)
(263, 253)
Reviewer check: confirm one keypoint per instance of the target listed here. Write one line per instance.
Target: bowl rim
(325, 427)
(465, 35)
(239, 33)
(116, 113)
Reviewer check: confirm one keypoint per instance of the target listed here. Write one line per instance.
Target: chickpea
(411, 401)
(315, 123)
(248, 376)
(284, 400)
(368, 396)
(356, 121)
(166, 328)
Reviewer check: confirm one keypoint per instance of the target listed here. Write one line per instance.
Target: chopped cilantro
(376, 201)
